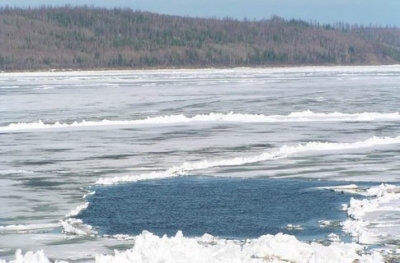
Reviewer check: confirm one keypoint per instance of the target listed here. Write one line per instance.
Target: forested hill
(90, 38)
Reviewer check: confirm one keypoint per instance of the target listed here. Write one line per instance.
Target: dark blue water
(230, 208)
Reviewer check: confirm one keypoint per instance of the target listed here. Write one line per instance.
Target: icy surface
(25, 228)
(30, 257)
(61, 132)
(208, 249)
(283, 152)
(376, 219)
(279, 248)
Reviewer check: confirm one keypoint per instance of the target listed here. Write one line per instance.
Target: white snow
(278, 248)
(333, 237)
(209, 249)
(73, 226)
(30, 257)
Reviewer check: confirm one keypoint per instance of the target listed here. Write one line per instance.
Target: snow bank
(30, 257)
(209, 249)
(280, 248)
(284, 151)
(303, 116)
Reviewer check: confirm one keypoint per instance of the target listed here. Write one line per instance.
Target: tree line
(96, 38)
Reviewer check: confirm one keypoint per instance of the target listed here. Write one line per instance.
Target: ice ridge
(278, 248)
(303, 116)
(282, 152)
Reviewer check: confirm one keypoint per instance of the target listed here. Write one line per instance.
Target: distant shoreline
(88, 38)
(300, 67)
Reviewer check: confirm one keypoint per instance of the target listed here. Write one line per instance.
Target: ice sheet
(36, 96)
(282, 152)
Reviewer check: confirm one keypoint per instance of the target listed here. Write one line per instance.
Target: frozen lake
(96, 161)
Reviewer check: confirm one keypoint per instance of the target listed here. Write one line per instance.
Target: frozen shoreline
(208, 249)
(290, 68)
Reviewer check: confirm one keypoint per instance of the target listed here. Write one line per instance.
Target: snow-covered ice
(278, 248)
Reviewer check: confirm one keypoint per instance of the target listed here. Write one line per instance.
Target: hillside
(90, 38)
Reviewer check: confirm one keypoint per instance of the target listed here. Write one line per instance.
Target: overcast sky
(381, 12)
